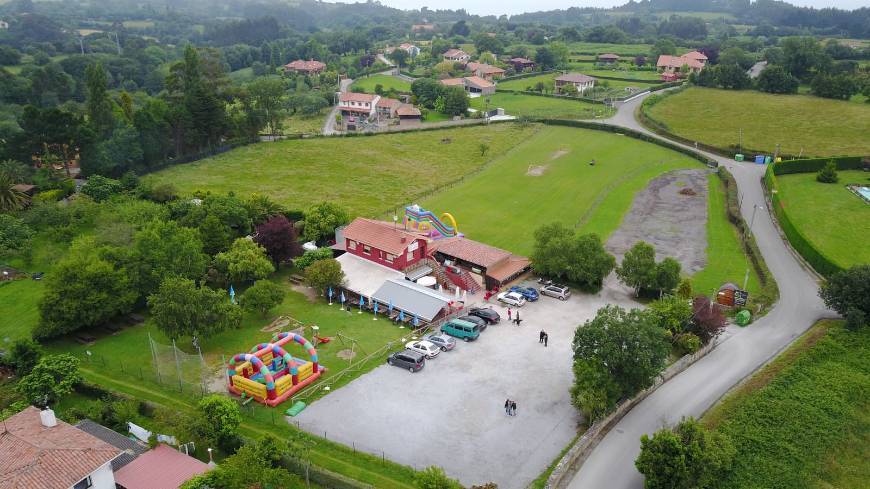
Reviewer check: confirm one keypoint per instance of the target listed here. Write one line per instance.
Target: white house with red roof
(580, 81)
(358, 104)
(694, 61)
(485, 71)
(456, 55)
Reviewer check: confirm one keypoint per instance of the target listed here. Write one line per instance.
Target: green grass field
(368, 175)
(548, 80)
(386, 81)
(503, 204)
(833, 219)
(799, 123)
(534, 106)
(305, 124)
(803, 421)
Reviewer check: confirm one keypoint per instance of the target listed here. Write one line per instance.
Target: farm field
(522, 105)
(388, 82)
(800, 124)
(548, 81)
(300, 173)
(305, 124)
(503, 204)
(833, 219)
(804, 419)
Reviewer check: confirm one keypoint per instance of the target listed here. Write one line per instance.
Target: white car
(431, 350)
(512, 299)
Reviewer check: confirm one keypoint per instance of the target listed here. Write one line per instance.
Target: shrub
(53, 195)
(100, 188)
(848, 291)
(828, 174)
(24, 355)
(312, 256)
(434, 478)
(688, 343)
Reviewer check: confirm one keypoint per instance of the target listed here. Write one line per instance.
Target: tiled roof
(522, 60)
(33, 456)
(408, 110)
(357, 97)
(387, 102)
(455, 53)
(508, 268)
(131, 448)
(668, 61)
(453, 82)
(478, 82)
(160, 468)
(381, 235)
(484, 68)
(471, 251)
(406, 46)
(695, 55)
(575, 78)
(302, 65)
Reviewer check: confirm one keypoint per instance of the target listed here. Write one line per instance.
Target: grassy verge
(834, 220)
(804, 419)
(540, 482)
(798, 123)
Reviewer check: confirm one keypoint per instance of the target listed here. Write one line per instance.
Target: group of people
(510, 407)
(516, 316)
(543, 337)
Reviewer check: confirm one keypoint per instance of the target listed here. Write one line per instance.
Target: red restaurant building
(383, 243)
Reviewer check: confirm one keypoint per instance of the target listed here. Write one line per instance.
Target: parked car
(529, 293)
(463, 330)
(431, 350)
(560, 292)
(442, 341)
(512, 299)
(481, 323)
(491, 316)
(409, 359)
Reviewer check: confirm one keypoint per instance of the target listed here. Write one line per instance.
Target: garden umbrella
(329, 293)
(375, 308)
(401, 316)
(232, 294)
(390, 307)
(457, 294)
(341, 298)
(361, 302)
(416, 321)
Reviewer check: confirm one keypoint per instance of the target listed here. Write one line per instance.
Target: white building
(4, 24)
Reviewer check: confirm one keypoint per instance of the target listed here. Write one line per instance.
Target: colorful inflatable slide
(419, 219)
(271, 375)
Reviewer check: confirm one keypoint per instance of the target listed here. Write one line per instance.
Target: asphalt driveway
(451, 414)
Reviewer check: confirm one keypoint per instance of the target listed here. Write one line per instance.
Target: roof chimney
(403, 239)
(47, 417)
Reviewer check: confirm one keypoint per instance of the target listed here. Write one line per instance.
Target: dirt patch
(536, 170)
(670, 214)
(346, 354)
(558, 154)
(305, 290)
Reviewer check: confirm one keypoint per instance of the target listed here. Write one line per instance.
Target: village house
(456, 55)
(522, 64)
(310, 67)
(162, 467)
(409, 113)
(4, 24)
(383, 243)
(608, 58)
(580, 81)
(471, 84)
(485, 71)
(673, 65)
(386, 107)
(358, 104)
(39, 450)
(409, 48)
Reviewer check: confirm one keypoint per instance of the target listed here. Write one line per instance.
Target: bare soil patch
(559, 154)
(536, 170)
(671, 215)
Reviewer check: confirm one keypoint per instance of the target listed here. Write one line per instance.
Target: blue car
(529, 293)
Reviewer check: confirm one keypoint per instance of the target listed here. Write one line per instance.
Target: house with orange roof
(485, 71)
(310, 67)
(673, 65)
(474, 85)
(456, 55)
(358, 104)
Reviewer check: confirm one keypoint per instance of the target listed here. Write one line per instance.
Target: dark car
(481, 323)
(408, 359)
(529, 293)
(491, 316)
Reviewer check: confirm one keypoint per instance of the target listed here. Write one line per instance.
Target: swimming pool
(864, 192)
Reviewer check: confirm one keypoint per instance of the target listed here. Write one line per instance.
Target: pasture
(833, 219)
(804, 419)
(800, 124)
(522, 105)
(370, 176)
(387, 82)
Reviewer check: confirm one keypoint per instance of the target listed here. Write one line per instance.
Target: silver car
(446, 343)
(555, 290)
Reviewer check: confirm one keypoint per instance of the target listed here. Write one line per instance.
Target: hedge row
(530, 74)
(769, 289)
(634, 134)
(811, 165)
(821, 263)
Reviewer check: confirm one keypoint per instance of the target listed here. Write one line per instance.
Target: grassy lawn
(503, 204)
(386, 81)
(523, 83)
(650, 76)
(833, 219)
(726, 261)
(368, 175)
(803, 421)
(616, 87)
(533, 106)
(138, 24)
(813, 125)
(435, 116)
(305, 124)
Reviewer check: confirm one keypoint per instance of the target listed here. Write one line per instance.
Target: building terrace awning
(414, 299)
(418, 273)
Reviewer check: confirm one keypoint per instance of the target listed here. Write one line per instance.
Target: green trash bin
(738, 157)
(297, 408)
(768, 159)
(743, 318)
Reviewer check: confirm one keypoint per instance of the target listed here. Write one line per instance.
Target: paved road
(329, 123)
(692, 392)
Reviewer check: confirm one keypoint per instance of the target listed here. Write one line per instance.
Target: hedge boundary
(820, 262)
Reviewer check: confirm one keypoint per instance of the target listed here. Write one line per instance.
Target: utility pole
(751, 221)
(740, 140)
(82, 44)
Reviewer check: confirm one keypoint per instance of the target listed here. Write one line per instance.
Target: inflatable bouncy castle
(269, 374)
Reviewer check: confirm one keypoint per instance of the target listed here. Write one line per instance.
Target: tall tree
(278, 237)
(637, 269)
(245, 261)
(180, 308)
(268, 96)
(163, 249)
(11, 199)
(98, 104)
(848, 293)
(53, 377)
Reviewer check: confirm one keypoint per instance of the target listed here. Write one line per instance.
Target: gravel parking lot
(451, 413)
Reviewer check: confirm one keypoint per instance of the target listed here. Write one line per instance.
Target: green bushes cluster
(769, 290)
(818, 260)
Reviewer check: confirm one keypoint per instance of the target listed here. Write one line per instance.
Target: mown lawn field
(549, 82)
(388, 82)
(369, 176)
(803, 124)
(305, 124)
(833, 219)
(503, 204)
(522, 105)
(803, 421)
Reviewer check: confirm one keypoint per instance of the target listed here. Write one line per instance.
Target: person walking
(509, 313)
(546, 339)
(507, 407)
(517, 317)
(541, 336)
(513, 408)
